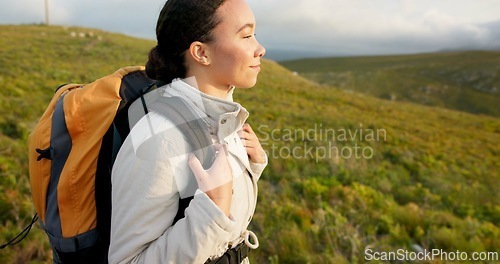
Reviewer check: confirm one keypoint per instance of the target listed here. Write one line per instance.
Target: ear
(199, 52)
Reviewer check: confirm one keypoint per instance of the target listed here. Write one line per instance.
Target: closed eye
(250, 36)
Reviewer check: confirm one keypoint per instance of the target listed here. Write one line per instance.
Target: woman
(213, 42)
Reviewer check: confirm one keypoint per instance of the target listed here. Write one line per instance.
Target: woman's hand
(252, 144)
(217, 181)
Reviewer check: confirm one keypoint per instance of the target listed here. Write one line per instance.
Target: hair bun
(153, 64)
(163, 67)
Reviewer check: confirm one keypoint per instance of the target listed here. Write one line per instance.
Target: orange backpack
(72, 150)
(64, 154)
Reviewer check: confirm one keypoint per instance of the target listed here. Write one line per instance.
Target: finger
(195, 165)
(220, 159)
(220, 165)
(249, 146)
(242, 136)
(220, 149)
(248, 136)
(248, 128)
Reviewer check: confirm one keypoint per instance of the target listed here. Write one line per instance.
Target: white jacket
(146, 190)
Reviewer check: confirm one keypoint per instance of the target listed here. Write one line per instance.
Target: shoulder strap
(195, 130)
(134, 84)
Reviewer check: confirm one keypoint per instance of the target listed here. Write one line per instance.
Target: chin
(247, 84)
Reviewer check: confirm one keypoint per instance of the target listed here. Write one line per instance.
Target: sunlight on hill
(468, 81)
(347, 171)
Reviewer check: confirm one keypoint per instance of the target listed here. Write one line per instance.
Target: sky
(302, 28)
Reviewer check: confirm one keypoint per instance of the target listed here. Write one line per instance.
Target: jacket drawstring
(249, 234)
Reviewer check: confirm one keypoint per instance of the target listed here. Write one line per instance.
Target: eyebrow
(249, 25)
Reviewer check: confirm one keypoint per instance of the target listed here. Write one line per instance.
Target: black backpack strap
(195, 130)
(21, 235)
(133, 86)
(183, 204)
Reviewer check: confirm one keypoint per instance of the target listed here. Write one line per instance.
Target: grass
(467, 81)
(432, 181)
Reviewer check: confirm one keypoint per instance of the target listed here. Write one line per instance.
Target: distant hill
(346, 171)
(284, 54)
(467, 81)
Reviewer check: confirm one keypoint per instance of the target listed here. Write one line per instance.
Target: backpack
(71, 153)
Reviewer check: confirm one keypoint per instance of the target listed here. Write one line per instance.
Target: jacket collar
(223, 116)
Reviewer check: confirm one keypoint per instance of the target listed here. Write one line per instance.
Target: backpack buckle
(47, 153)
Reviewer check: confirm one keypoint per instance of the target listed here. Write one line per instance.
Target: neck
(207, 88)
(214, 91)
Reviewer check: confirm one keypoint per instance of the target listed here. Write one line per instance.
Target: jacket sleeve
(144, 203)
(256, 169)
(192, 239)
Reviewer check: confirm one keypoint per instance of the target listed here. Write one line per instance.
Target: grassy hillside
(419, 176)
(466, 81)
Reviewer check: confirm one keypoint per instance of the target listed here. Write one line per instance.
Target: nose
(260, 51)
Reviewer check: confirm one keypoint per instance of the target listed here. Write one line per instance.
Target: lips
(256, 67)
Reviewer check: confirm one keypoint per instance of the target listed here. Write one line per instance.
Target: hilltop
(423, 176)
(467, 80)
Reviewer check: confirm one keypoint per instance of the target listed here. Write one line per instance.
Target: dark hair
(181, 22)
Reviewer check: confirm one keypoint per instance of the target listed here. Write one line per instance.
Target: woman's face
(235, 52)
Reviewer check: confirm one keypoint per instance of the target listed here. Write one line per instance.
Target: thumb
(195, 165)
